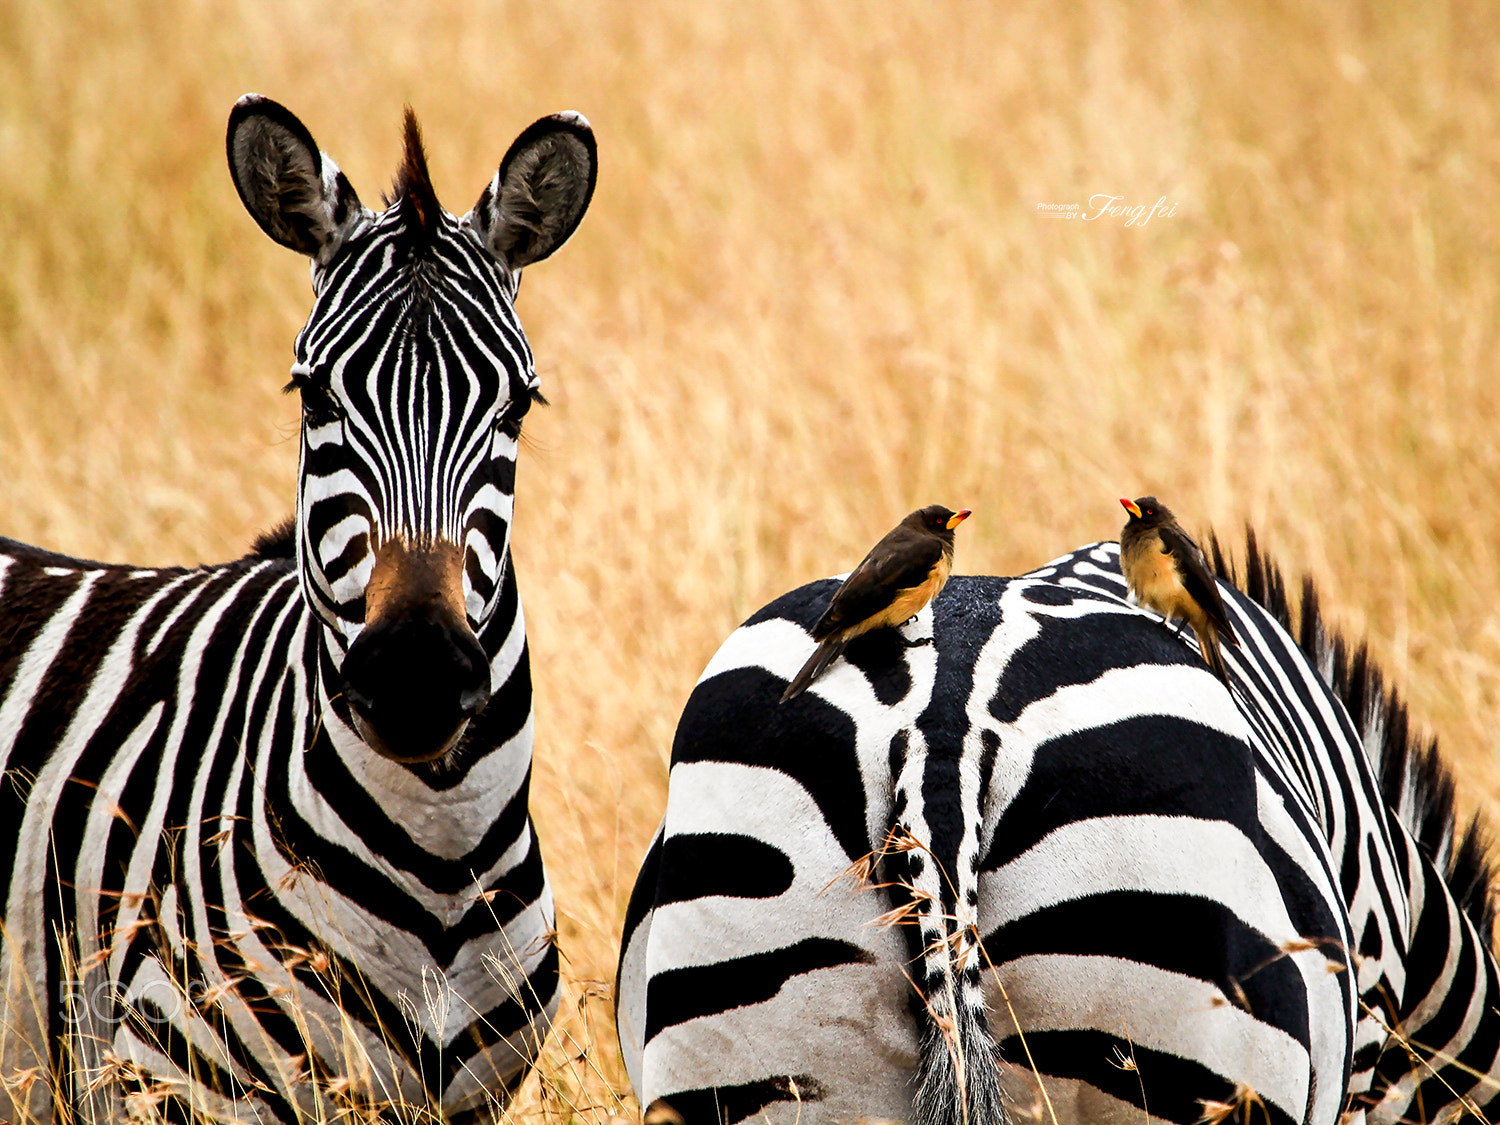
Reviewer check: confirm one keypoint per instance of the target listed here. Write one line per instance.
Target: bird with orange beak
(1167, 572)
(900, 575)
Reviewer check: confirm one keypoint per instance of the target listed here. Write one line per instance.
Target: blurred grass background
(814, 292)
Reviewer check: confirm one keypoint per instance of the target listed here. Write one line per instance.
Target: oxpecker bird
(900, 575)
(1167, 572)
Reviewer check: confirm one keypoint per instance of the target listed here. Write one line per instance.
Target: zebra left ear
(290, 187)
(538, 197)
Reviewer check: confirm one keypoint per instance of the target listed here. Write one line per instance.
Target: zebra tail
(959, 1075)
(1213, 655)
(824, 655)
(936, 873)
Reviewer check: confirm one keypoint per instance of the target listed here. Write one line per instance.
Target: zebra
(264, 830)
(1027, 859)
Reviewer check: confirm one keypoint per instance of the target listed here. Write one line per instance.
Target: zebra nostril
(472, 700)
(357, 699)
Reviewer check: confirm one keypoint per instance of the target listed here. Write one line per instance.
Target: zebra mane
(414, 184)
(278, 543)
(1414, 780)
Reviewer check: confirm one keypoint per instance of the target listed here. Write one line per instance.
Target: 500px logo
(1103, 206)
(105, 1002)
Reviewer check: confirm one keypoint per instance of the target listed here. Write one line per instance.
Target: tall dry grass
(814, 292)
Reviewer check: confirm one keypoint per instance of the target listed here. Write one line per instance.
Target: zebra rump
(1032, 861)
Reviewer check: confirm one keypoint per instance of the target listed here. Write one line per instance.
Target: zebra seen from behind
(264, 836)
(1045, 841)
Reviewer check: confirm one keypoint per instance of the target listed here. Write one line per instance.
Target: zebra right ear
(295, 192)
(538, 197)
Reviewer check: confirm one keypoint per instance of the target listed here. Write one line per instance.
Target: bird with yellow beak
(1167, 572)
(900, 575)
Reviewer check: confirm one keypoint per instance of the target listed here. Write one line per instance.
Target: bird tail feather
(824, 655)
(1213, 656)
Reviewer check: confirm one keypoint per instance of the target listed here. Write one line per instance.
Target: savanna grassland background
(814, 292)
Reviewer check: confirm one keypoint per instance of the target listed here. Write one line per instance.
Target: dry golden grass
(814, 292)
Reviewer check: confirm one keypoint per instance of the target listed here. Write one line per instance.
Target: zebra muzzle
(416, 674)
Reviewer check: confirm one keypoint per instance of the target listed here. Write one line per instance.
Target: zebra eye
(319, 406)
(508, 421)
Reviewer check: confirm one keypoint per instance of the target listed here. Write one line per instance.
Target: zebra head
(414, 375)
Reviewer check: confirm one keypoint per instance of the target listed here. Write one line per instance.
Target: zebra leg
(23, 1033)
(1236, 992)
(710, 986)
(757, 980)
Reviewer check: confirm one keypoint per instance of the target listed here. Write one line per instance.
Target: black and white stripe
(1182, 896)
(217, 893)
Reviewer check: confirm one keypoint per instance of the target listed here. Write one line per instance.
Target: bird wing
(1198, 579)
(901, 560)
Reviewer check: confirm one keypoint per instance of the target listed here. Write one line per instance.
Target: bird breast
(1153, 576)
(908, 602)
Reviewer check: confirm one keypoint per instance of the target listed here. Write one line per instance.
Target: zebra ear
(295, 192)
(539, 195)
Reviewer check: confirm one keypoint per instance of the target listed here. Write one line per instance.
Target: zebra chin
(371, 737)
